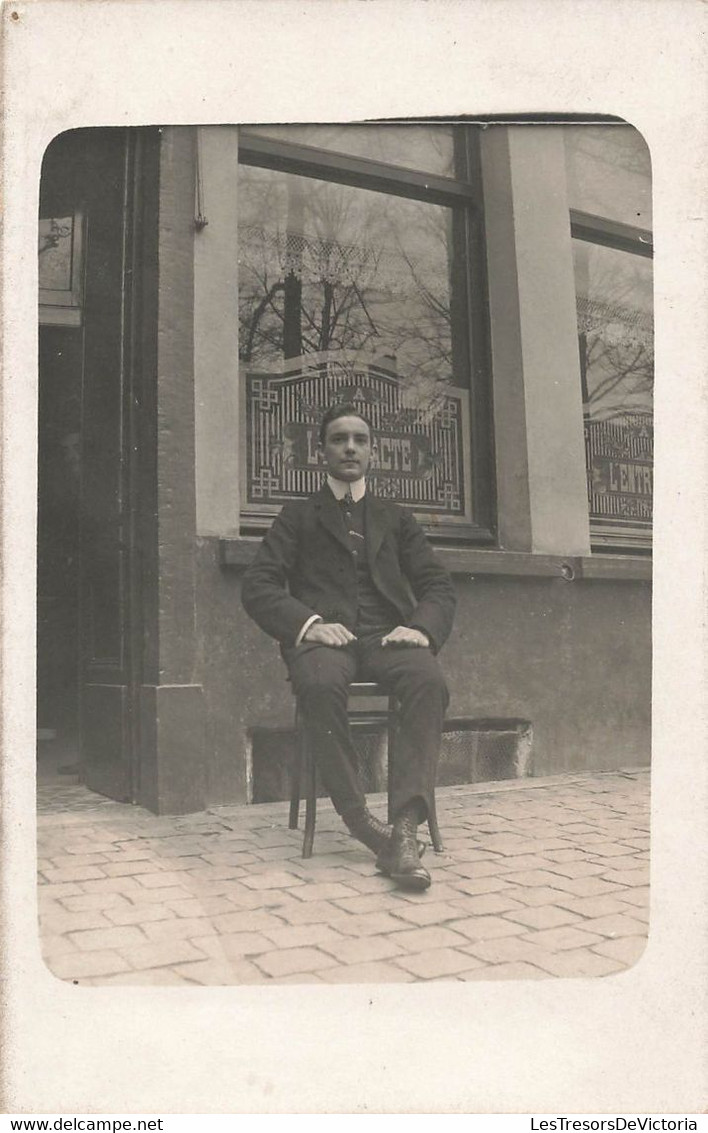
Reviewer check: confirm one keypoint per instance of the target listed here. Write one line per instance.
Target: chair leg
(434, 829)
(297, 776)
(310, 778)
(391, 730)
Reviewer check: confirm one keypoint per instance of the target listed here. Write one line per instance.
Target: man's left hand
(405, 635)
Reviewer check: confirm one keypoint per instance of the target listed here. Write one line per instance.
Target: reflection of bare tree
(616, 335)
(332, 269)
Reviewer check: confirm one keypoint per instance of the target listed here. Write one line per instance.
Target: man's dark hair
(342, 409)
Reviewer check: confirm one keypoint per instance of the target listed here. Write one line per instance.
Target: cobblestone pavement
(539, 878)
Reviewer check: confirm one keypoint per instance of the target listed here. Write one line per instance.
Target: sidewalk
(539, 878)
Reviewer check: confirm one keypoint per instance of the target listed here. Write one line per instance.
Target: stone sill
(237, 554)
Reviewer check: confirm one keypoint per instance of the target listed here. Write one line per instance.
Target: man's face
(347, 448)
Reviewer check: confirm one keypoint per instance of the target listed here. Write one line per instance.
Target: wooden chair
(305, 774)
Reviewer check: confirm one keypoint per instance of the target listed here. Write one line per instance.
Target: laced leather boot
(375, 835)
(401, 863)
(368, 829)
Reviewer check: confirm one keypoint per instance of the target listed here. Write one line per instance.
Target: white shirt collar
(339, 488)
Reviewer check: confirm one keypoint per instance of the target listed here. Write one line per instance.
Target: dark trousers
(320, 675)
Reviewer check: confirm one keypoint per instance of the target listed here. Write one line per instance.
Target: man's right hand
(329, 633)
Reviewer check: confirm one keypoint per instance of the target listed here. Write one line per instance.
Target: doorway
(88, 628)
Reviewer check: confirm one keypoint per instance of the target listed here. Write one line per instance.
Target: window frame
(463, 192)
(636, 241)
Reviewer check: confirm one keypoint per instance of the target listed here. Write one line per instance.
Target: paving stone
(213, 973)
(477, 869)
(478, 885)
(179, 928)
(576, 869)
(132, 869)
(505, 844)
(485, 928)
(153, 977)
(290, 960)
(641, 915)
(569, 855)
(298, 978)
(636, 896)
(74, 873)
(87, 964)
(630, 877)
(201, 907)
(610, 850)
(232, 857)
(58, 892)
(535, 877)
(386, 901)
(520, 862)
(161, 954)
(299, 936)
(627, 949)
(123, 936)
(543, 916)
(485, 904)
(585, 886)
(233, 945)
(111, 885)
(86, 902)
(592, 906)
(436, 962)
(427, 914)
(187, 865)
(64, 921)
(89, 846)
(511, 971)
(635, 861)
(164, 879)
(327, 891)
(56, 945)
(371, 973)
(362, 950)
(68, 861)
(127, 914)
(129, 853)
(312, 912)
(274, 879)
(369, 924)
(618, 924)
(425, 939)
(570, 936)
(508, 949)
(141, 896)
(578, 963)
(467, 853)
(247, 920)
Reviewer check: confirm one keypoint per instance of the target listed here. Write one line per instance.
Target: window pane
(428, 148)
(615, 327)
(609, 173)
(349, 292)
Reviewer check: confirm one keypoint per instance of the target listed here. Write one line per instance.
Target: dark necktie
(348, 500)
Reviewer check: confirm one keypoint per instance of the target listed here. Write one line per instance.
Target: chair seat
(306, 772)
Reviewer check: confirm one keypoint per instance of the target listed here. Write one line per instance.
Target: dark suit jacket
(304, 567)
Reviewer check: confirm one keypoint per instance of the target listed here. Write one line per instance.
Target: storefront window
(414, 147)
(608, 173)
(609, 189)
(352, 292)
(615, 324)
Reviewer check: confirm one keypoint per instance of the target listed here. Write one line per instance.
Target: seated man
(349, 586)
